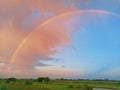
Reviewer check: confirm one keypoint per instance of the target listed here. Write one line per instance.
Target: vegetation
(3, 85)
(11, 80)
(43, 79)
(45, 83)
(28, 82)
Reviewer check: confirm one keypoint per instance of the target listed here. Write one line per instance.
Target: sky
(60, 39)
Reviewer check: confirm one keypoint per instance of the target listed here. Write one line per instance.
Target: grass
(60, 85)
(3, 85)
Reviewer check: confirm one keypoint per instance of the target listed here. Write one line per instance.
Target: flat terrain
(61, 85)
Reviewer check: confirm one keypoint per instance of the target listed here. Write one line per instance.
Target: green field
(58, 84)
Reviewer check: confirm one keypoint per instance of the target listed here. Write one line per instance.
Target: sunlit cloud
(41, 43)
(55, 71)
(17, 19)
(32, 31)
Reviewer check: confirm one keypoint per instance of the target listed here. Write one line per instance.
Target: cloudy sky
(60, 38)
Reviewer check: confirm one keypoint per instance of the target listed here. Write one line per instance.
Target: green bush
(78, 87)
(43, 79)
(85, 87)
(70, 86)
(90, 88)
(28, 83)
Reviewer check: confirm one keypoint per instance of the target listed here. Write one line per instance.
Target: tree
(46, 79)
(12, 79)
(40, 79)
(43, 79)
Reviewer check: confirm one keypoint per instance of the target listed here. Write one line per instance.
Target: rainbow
(52, 20)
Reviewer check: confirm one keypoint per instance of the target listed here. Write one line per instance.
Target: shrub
(28, 83)
(85, 87)
(90, 88)
(43, 79)
(78, 87)
(70, 86)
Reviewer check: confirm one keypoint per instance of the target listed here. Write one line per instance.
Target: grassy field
(59, 85)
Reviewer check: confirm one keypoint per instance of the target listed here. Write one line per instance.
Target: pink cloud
(13, 15)
(53, 33)
(21, 49)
